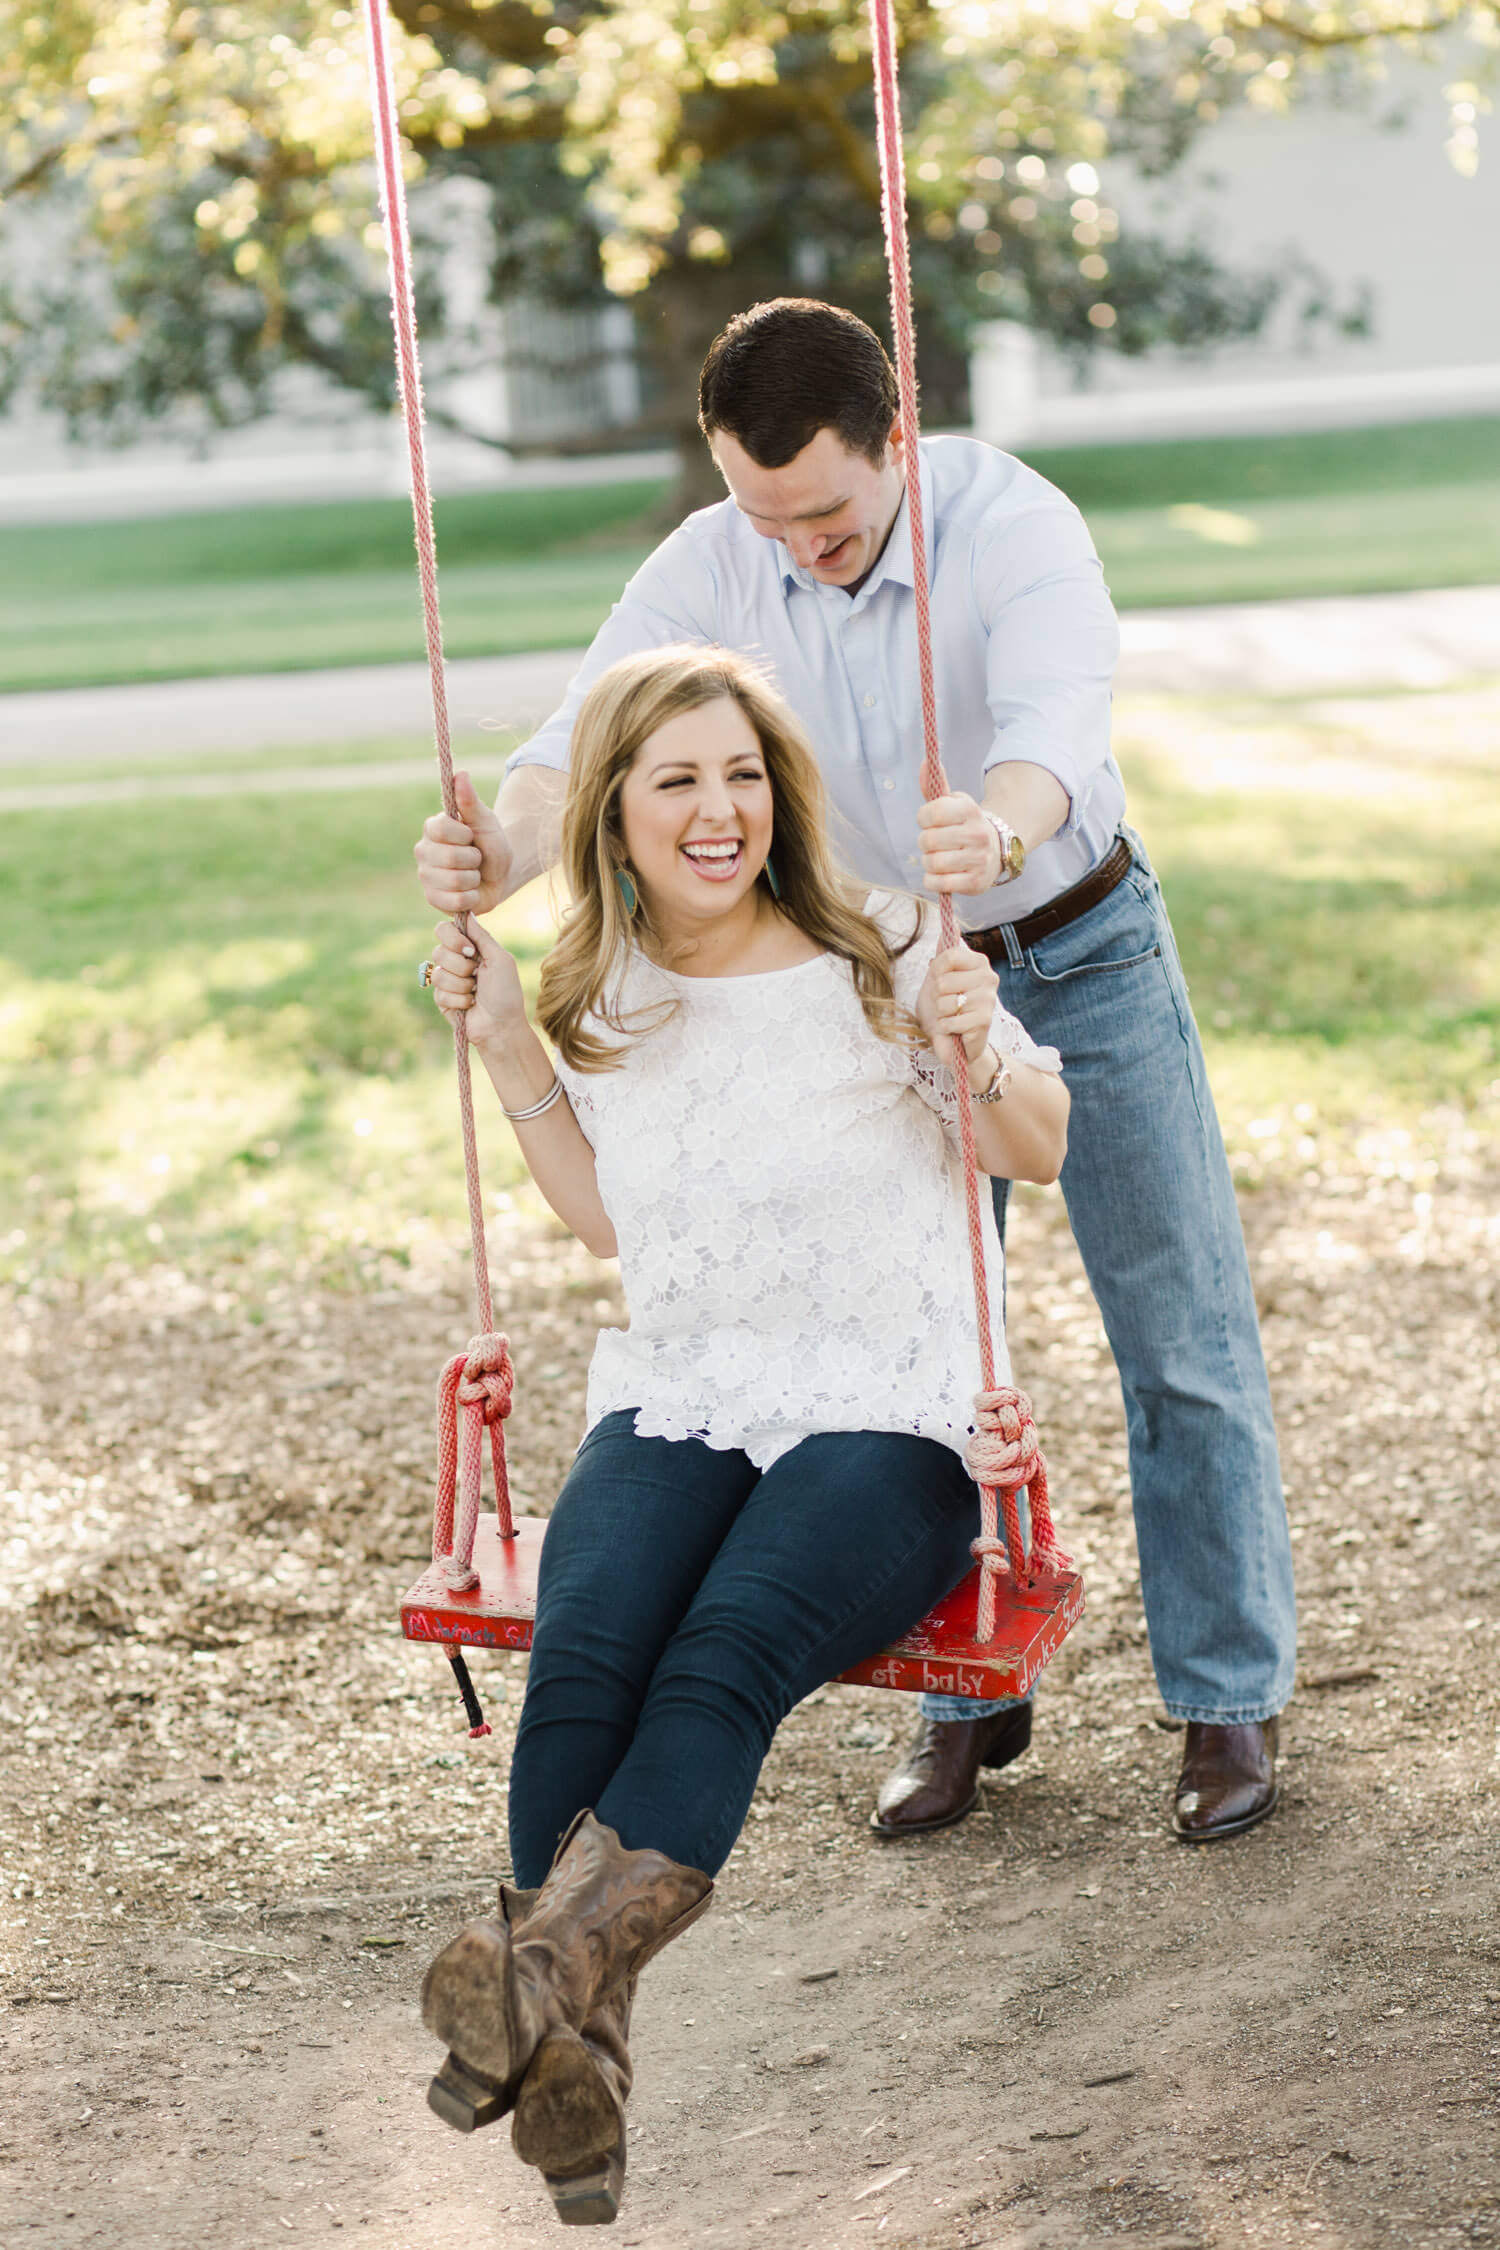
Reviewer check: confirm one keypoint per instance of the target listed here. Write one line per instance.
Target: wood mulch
(237, 1813)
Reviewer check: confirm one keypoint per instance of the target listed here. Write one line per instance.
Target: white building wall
(1366, 194)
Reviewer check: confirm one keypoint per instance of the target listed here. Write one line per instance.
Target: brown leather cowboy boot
(570, 2106)
(937, 1782)
(459, 2097)
(1228, 1781)
(570, 2112)
(496, 1992)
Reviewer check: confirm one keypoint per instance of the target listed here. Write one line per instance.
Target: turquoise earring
(628, 896)
(771, 883)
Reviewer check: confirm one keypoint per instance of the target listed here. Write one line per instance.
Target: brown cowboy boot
(570, 2106)
(570, 2113)
(496, 1992)
(937, 1782)
(1228, 1780)
(457, 2094)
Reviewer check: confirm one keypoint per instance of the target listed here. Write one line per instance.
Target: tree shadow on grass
(215, 1030)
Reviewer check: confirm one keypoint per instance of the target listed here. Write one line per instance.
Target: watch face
(1015, 857)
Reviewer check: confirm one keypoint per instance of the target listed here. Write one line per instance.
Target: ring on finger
(425, 971)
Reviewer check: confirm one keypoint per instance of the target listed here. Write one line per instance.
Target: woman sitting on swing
(751, 1108)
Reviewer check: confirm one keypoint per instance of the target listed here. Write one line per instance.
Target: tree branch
(44, 164)
(860, 160)
(509, 32)
(545, 122)
(1270, 18)
(658, 423)
(741, 114)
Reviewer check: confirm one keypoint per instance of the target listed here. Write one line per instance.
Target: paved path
(1424, 640)
(226, 781)
(277, 710)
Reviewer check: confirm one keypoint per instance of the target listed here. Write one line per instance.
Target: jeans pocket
(1120, 933)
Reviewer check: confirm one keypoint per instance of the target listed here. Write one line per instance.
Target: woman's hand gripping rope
(957, 1002)
(474, 977)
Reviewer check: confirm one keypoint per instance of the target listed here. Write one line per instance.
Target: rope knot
(475, 1389)
(991, 1556)
(488, 1379)
(1003, 1449)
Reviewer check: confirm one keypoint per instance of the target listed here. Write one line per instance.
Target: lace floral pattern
(787, 1196)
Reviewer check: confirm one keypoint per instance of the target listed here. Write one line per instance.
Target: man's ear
(897, 441)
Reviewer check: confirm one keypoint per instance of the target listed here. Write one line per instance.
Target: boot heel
(464, 2101)
(588, 2199)
(1011, 1736)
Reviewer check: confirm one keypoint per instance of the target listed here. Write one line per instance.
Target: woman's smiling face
(697, 813)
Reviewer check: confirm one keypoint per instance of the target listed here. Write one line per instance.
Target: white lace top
(787, 1196)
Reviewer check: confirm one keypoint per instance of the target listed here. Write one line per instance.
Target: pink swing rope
(1003, 1413)
(480, 1380)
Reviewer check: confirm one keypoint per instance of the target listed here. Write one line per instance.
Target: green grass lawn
(230, 1057)
(1224, 471)
(282, 589)
(213, 1049)
(296, 623)
(287, 588)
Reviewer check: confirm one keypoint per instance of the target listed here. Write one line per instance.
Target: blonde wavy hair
(624, 707)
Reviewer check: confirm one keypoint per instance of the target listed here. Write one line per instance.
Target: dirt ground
(239, 1813)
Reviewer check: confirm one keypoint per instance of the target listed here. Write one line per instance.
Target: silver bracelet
(553, 1094)
(998, 1085)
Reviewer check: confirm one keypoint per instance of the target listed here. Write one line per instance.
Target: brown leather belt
(1059, 911)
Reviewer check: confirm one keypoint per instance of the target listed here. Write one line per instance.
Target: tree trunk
(683, 311)
(699, 483)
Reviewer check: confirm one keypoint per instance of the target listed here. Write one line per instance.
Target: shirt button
(871, 701)
(890, 785)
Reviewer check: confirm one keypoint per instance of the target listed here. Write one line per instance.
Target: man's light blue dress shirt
(1025, 643)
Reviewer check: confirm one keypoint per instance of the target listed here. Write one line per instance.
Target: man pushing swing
(807, 567)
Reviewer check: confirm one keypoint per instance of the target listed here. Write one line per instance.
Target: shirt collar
(895, 562)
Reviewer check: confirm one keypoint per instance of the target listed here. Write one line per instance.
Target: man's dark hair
(782, 371)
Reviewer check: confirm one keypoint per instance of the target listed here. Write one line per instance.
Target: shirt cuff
(539, 751)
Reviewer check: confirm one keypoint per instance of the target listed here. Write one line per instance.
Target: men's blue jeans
(685, 1602)
(1152, 1209)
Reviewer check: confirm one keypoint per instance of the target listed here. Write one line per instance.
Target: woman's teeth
(713, 859)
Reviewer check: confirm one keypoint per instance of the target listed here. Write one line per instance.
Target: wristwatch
(1012, 850)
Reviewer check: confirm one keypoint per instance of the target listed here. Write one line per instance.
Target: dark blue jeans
(686, 1602)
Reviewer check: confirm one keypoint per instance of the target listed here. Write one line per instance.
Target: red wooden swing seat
(940, 1655)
